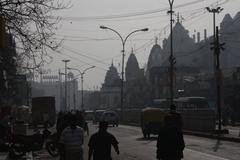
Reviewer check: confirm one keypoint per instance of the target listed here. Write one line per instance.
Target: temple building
(136, 88)
(193, 72)
(110, 91)
(193, 60)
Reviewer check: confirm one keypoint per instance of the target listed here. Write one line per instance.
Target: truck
(43, 110)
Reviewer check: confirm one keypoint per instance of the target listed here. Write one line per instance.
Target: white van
(111, 117)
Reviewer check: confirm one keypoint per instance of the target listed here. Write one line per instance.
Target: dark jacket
(170, 143)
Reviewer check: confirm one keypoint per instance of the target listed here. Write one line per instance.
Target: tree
(32, 24)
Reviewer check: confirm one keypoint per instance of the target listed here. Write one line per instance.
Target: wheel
(16, 152)
(52, 149)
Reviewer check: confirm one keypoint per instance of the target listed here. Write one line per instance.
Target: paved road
(134, 147)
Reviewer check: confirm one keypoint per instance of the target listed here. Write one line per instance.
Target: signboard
(51, 77)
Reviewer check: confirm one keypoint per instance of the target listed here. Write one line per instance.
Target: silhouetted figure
(80, 119)
(61, 122)
(72, 140)
(170, 143)
(100, 144)
(176, 116)
(86, 129)
(226, 111)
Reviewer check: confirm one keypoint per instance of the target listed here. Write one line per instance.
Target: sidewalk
(232, 136)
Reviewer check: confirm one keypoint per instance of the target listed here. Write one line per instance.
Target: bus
(196, 113)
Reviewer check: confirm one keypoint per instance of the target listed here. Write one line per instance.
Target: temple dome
(182, 42)
(155, 57)
(132, 67)
(226, 22)
(237, 16)
(112, 78)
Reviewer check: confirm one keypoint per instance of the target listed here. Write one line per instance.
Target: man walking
(100, 144)
(71, 140)
(170, 143)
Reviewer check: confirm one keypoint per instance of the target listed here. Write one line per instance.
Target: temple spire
(112, 63)
(156, 40)
(132, 51)
(179, 18)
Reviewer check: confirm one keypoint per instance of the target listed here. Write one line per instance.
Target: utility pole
(218, 76)
(60, 88)
(82, 104)
(65, 61)
(74, 93)
(171, 57)
(41, 76)
(216, 65)
(214, 11)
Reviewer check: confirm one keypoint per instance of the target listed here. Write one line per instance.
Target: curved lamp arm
(123, 40)
(81, 72)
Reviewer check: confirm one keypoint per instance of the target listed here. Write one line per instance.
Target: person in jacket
(71, 140)
(170, 142)
(100, 144)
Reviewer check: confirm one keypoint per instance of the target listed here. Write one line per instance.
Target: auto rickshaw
(152, 120)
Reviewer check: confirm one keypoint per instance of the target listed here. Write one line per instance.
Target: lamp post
(81, 73)
(74, 81)
(123, 41)
(65, 61)
(216, 65)
(214, 11)
(171, 57)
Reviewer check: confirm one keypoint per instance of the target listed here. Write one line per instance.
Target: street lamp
(214, 11)
(123, 54)
(81, 73)
(65, 61)
(171, 57)
(216, 65)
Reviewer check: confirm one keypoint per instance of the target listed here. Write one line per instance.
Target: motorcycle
(52, 145)
(21, 144)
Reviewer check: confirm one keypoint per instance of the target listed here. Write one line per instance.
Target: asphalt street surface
(134, 147)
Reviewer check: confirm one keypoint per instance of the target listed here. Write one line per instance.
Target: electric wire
(128, 14)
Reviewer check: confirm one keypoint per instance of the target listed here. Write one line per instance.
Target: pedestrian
(100, 144)
(170, 142)
(71, 141)
(86, 129)
(177, 117)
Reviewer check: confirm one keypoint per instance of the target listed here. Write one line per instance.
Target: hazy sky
(86, 44)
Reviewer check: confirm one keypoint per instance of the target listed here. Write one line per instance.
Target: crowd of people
(70, 126)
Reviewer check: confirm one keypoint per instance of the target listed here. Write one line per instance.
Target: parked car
(111, 117)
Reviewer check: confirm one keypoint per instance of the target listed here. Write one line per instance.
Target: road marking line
(206, 154)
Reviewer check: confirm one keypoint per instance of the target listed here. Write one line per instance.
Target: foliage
(32, 24)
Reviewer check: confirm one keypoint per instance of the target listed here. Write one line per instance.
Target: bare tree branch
(33, 28)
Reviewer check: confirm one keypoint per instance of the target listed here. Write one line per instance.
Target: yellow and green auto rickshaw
(152, 120)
